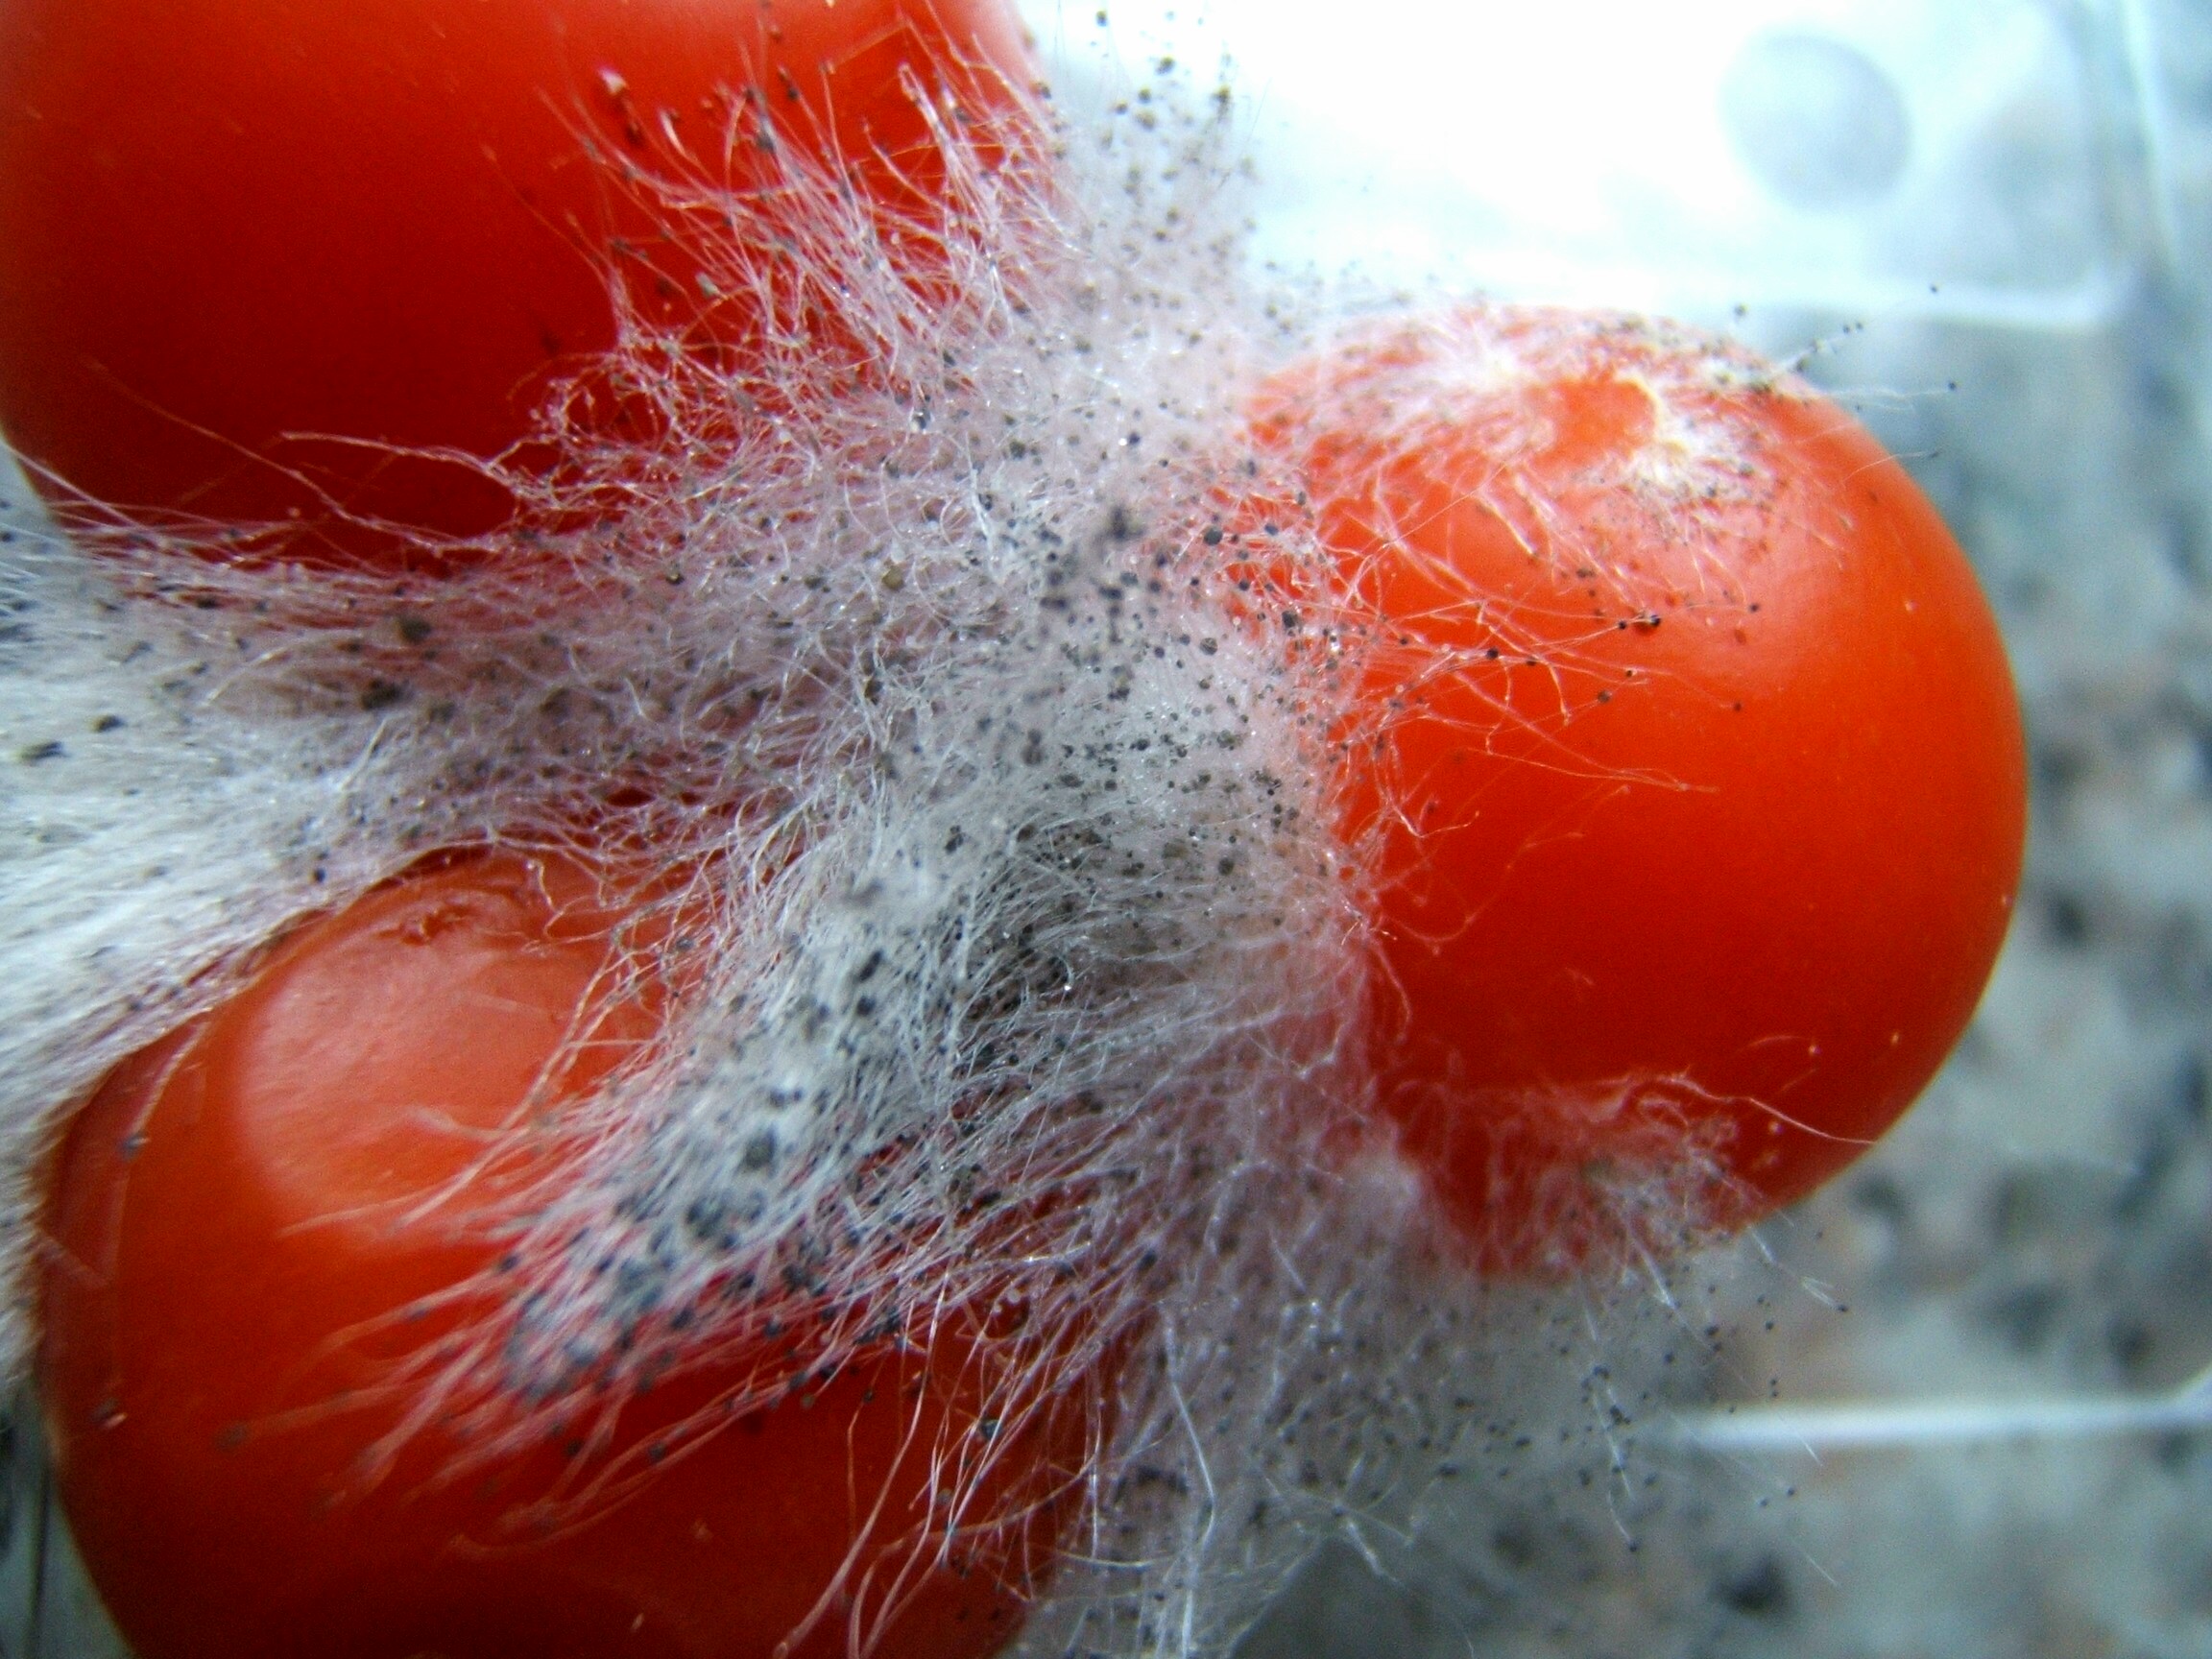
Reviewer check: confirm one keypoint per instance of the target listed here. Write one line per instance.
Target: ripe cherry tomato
(1686, 753)
(257, 1218)
(255, 254)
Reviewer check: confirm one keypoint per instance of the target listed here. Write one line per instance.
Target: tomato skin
(233, 232)
(1690, 762)
(242, 1247)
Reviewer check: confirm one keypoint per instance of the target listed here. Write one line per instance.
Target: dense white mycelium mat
(1019, 955)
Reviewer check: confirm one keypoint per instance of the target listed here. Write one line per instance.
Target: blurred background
(1960, 1403)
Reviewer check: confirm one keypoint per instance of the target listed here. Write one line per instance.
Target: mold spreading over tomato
(295, 275)
(1686, 753)
(1031, 917)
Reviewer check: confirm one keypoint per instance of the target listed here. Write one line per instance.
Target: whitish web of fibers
(1022, 971)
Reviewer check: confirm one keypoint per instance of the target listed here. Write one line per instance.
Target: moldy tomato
(260, 1223)
(258, 257)
(1687, 753)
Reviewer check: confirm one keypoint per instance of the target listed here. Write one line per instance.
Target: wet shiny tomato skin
(1686, 753)
(254, 1221)
(258, 257)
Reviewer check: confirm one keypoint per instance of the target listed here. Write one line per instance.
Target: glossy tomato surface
(1687, 754)
(261, 1230)
(255, 255)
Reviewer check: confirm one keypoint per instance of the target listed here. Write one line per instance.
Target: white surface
(1955, 158)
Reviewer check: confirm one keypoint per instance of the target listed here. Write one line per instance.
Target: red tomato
(254, 252)
(256, 1219)
(1688, 756)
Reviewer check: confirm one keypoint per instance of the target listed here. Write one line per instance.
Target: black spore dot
(1759, 1591)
